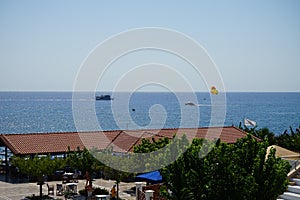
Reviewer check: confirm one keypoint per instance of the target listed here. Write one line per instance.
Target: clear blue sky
(255, 44)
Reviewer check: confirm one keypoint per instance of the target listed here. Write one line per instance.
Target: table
(102, 197)
(72, 187)
(68, 176)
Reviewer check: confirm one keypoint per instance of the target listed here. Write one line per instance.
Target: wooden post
(6, 165)
(118, 190)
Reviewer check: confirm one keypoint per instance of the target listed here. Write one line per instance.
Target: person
(88, 179)
(89, 190)
(113, 192)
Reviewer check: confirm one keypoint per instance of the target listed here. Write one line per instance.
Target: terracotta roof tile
(42, 143)
(121, 141)
(126, 140)
(98, 139)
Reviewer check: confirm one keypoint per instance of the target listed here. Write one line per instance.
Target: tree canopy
(38, 166)
(83, 160)
(288, 139)
(216, 170)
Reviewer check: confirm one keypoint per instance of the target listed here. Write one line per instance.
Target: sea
(44, 112)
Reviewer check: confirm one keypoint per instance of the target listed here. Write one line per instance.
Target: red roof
(121, 141)
(41, 143)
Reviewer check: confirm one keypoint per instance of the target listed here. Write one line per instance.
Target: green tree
(290, 140)
(147, 146)
(216, 170)
(83, 160)
(38, 166)
(164, 151)
(263, 133)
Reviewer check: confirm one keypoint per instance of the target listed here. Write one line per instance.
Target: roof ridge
(132, 146)
(112, 141)
(96, 131)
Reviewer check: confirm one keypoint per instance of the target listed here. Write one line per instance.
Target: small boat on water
(104, 97)
(190, 104)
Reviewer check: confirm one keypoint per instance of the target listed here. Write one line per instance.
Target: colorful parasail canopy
(213, 90)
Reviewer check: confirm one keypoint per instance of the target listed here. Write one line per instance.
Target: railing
(141, 195)
(294, 170)
(296, 164)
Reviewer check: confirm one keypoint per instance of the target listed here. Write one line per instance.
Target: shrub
(97, 191)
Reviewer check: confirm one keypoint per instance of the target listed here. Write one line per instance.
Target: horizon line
(153, 91)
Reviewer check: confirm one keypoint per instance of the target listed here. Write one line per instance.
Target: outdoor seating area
(69, 177)
(59, 189)
(32, 189)
(70, 188)
(50, 189)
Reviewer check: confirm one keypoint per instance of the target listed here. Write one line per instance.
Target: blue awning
(150, 177)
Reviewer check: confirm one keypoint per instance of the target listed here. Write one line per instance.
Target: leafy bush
(83, 192)
(33, 197)
(97, 191)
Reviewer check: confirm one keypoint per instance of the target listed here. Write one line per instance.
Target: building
(122, 141)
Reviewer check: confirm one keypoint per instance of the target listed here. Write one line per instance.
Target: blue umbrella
(150, 177)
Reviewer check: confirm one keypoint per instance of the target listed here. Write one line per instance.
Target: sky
(254, 44)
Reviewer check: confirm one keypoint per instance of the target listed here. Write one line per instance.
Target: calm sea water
(31, 112)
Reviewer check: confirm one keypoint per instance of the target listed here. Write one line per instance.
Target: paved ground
(17, 191)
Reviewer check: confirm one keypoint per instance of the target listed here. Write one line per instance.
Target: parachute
(213, 90)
